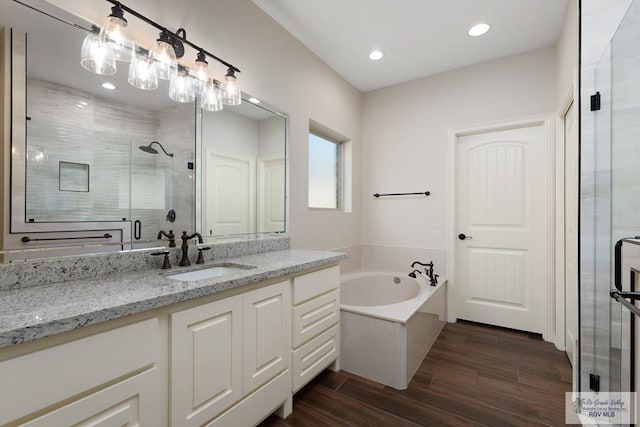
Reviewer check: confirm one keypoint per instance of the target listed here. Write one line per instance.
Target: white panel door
(571, 202)
(206, 361)
(499, 209)
(230, 194)
(267, 334)
(271, 198)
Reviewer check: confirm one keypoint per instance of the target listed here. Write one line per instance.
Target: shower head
(148, 149)
(151, 150)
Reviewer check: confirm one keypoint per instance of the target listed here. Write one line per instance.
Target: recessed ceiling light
(109, 86)
(479, 29)
(254, 100)
(376, 55)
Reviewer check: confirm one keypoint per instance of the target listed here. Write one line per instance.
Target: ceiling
(418, 37)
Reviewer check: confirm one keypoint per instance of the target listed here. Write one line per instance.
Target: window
(324, 172)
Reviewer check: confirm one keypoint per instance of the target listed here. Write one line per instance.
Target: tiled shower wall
(123, 181)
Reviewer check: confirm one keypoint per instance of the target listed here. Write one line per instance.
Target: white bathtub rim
(399, 312)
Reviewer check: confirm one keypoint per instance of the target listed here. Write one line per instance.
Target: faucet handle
(165, 262)
(200, 256)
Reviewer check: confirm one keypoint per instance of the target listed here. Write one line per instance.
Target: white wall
(567, 49)
(278, 69)
(405, 135)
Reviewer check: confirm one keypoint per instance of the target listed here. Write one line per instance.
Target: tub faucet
(170, 236)
(184, 262)
(428, 268)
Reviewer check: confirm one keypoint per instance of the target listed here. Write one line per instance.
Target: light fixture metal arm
(176, 34)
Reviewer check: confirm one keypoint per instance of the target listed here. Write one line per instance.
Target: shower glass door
(606, 339)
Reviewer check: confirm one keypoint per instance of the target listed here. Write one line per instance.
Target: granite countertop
(40, 311)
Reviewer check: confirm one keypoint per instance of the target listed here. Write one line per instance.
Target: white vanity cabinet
(228, 360)
(315, 332)
(59, 381)
(228, 355)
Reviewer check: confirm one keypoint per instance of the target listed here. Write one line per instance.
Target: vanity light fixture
(143, 71)
(165, 57)
(180, 87)
(114, 32)
(210, 98)
(108, 86)
(376, 55)
(158, 62)
(199, 73)
(479, 29)
(230, 92)
(95, 56)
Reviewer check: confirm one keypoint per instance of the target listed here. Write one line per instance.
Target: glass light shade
(180, 87)
(114, 32)
(199, 73)
(230, 92)
(210, 99)
(166, 61)
(142, 72)
(97, 57)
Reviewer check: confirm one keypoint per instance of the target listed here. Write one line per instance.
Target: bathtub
(388, 322)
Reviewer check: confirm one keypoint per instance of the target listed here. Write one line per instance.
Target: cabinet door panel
(206, 369)
(128, 403)
(63, 371)
(266, 334)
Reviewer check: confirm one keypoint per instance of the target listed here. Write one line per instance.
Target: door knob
(463, 236)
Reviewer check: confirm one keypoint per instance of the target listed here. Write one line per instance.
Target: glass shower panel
(605, 333)
(595, 237)
(162, 180)
(76, 166)
(625, 175)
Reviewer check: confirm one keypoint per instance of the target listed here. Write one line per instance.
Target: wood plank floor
(474, 375)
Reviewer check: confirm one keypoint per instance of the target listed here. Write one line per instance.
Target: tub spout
(414, 272)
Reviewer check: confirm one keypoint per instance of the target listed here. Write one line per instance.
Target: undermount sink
(210, 272)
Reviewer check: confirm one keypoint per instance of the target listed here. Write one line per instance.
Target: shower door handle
(463, 236)
(137, 229)
(617, 265)
(617, 261)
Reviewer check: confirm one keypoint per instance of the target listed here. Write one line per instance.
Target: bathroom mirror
(89, 151)
(84, 158)
(243, 161)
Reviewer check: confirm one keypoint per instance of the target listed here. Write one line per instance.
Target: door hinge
(595, 102)
(594, 382)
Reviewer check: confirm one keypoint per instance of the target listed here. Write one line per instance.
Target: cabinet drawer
(132, 402)
(313, 284)
(48, 376)
(310, 359)
(314, 317)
